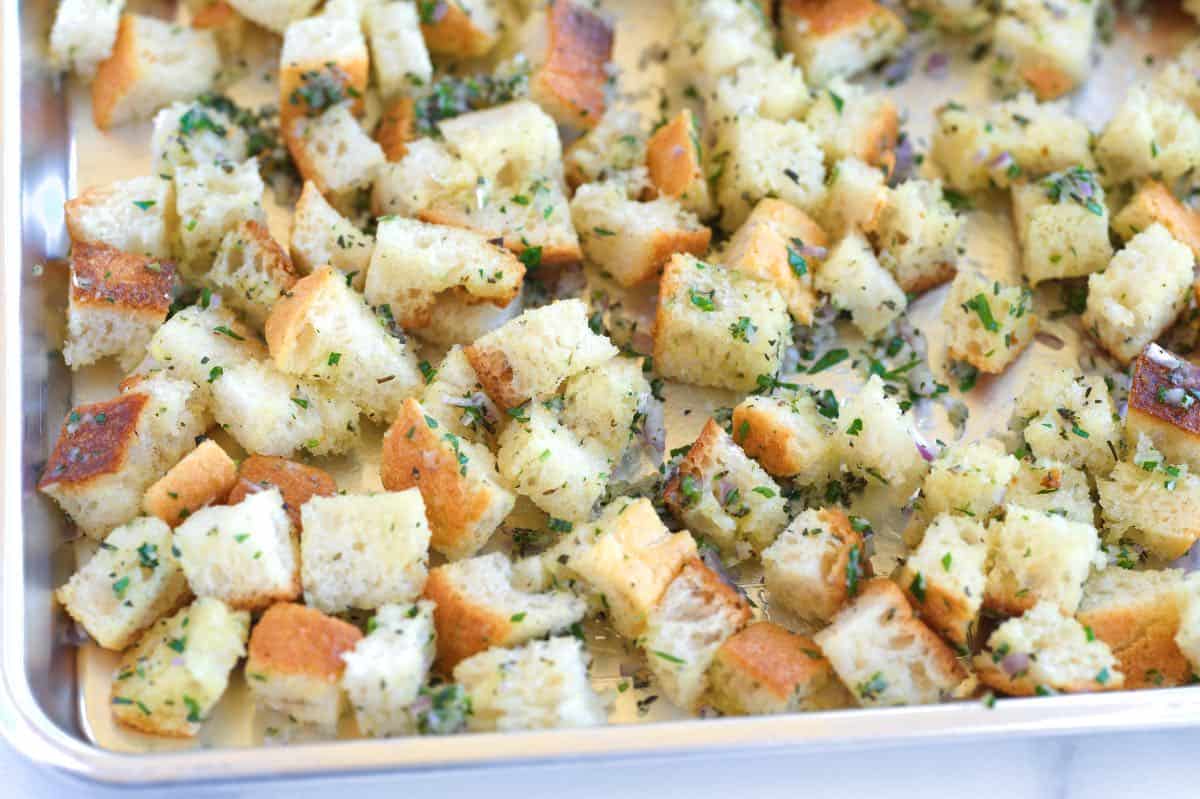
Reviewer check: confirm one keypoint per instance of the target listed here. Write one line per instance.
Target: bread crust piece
(767, 245)
(1174, 429)
(673, 156)
(294, 639)
(451, 31)
(514, 242)
(116, 74)
(104, 277)
(464, 627)
(397, 128)
(786, 672)
(825, 17)
(94, 441)
(296, 481)
(205, 475)
(1153, 202)
(571, 82)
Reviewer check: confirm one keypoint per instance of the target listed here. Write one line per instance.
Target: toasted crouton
(334, 152)
(204, 476)
(788, 435)
(251, 271)
(1163, 407)
(297, 482)
(135, 216)
(838, 37)
(397, 127)
(207, 130)
(608, 403)
(816, 565)
(1070, 418)
(460, 28)
(321, 236)
(174, 677)
(1045, 48)
(1150, 501)
(673, 158)
(780, 244)
(210, 201)
(918, 235)
(955, 16)
(988, 324)
(386, 671)
(612, 150)
(84, 33)
(879, 440)
(968, 479)
(1154, 203)
(1039, 557)
(1053, 487)
(274, 15)
(571, 76)
(759, 158)
(324, 61)
(398, 53)
(855, 282)
(856, 196)
(1149, 136)
(851, 122)
(454, 396)
(770, 87)
(1062, 226)
(295, 663)
(945, 577)
(716, 37)
(766, 669)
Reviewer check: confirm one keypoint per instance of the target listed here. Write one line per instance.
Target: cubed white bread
(386, 670)
(955, 16)
(108, 453)
(1044, 48)
(766, 669)
(570, 49)
(944, 577)
(838, 37)
(780, 244)
(1149, 136)
(542, 685)
(1044, 652)
(1177, 78)
(854, 199)
(456, 320)
(988, 323)
(1053, 487)
(614, 148)
(398, 52)
(116, 302)
(335, 153)
(533, 354)
(918, 235)
(715, 37)
(757, 157)
(210, 201)
(297, 482)
(1062, 226)
(1137, 613)
(363, 551)
(324, 59)
(788, 435)
(852, 122)
(882, 446)
(169, 683)
(725, 497)
(885, 655)
(1188, 637)
(816, 565)
(968, 478)
(1141, 293)
(1039, 557)
(321, 236)
(415, 262)
(454, 396)
(1162, 406)
(465, 497)
(1152, 502)
(251, 272)
(274, 15)
(153, 64)
(295, 663)
(461, 28)
(696, 614)
(623, 561)
(131, 582)
(1152, 203)
(204, 476)
(608, 403)
(718, 327)
(427, 174)
(518, 139)
(135, 216)
(207, 130)
(856, 282)
(84, 33)
(478, 607)
(1071, 418)
(773, 88)
(674, 162)
(632, 240)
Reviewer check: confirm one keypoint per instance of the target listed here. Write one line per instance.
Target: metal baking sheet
(54, 703)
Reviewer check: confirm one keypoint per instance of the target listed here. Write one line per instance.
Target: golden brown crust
(669, 285)
(289, 315)
(716, 591)
(297, 482)
(397, 128)
(664, 244)
(1142, 640)
(837, 571)
(553, 255)
(760, 248)
(204, 476)
(694, 464)
(94, 441)
(217, 14)
(495, 374)
(673, 156)
(450, 31)
(946, 612)
(464, 628)
(778, 661)
(275, 261)
(1047, 81)
(929, 278)
(1007, 604)
(105, 277)
(571, 83)
(831, 17)
(888, 592)
(1154, 200)
(116, 74)
(294, 639)
(350, 75)
(1176, 422)
(878, 143)
(756, 432)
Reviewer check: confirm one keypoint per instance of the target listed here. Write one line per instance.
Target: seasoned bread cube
(715, 37)
(1045, 652)
(770, 87)
(855, 198)
(780, 244)
(324, 61)
(1062, 226)
(852, 122)
(321, 236)
(1039, 557)
(210, 201)
(465, 500)
(1154, 203)
(717, 327)
(415, 262)
(766, 669)
(988, 323)
(1137, 614)
(816, 564)
(918, 235)
(457, 321)
(297, 482)
(397, 127)
(274, 15)
(1162, 405)
(614, 149)
(1152, 502)
(84, 33)
(632, 240)
(723, 495)
(571, 58)
(131, 582)
(361, 552)
(608, 403)
(1188, 637)
(1053, 487)
(153, 64)
(1045, 48)
(885, 655)
(879, 440)
(251, 272)
(1177, 78)
(542, 685)
(334, 152)
(518, 138)
(204, 476)
(788, 435)
(696, 615)
(135, 216)
(673, 160)
(955, 16)
(1138, 297)
(624, 560)
(838, 37)
(116, 302)
(398, 52)
(533, 354)
(1070, 418)
(454, 396)
(174, 677)
(969, 479)
(759, 157)
(461, 28)
(478, 607)
(944, 577)
(207, 130)
(1149, 136)
(386, 671)
(855, 282)
(295, 663)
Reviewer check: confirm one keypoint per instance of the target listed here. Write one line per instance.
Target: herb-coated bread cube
(251, 271)
(968, 479)
(1070, 418)
(716, 37)
(674, 161)
(210, 201)
(321, 236)
(1177, 79)
(945, 576)
(518, 138)
(135, 216)
(274, 15)
(462, 28)
(1053, 487)
(855, 198)
(1062, 226)
(297, 482)
(839, 37)
(454, 396)
(1188, 637)
(613, 150)
(1045, 48)
(1149, 136)
(788, 435)
(334, 152)
(955, 16)
(918, 235)
(386, 671)
(324, 61)
(457, 320)
(84, 33)
(1152, 203)
(1150, 501)
(203, 131)
(1163, 406)
(879, 440)
(770, 87)
(608, 403)
(988, 323)
(816, 564)
(758, 157)
(570, 49)
(203, 477)
(851, 122)
(780, 244)
(856, 282)
(398, 53)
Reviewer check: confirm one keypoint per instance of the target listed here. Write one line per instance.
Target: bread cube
(334, 152)
(944, 577)
(204, 476)
(541, 685)
(954, 16)
(780, 244)
(608, 403)
(153, 64)
(1047, 49)
(386, 671)
(251, 272)
(816, 565)
(885, 655)
(1062, 226)
(533, 354)
(295, 663)
(723, 495)
(759, 157)
(414, 262)
(1150, 501)
(465, 500)
(297, 482)
(852, 122)
(855, 198)
(839, 37)
(84, 33)
(696, 615)
(274, 15)
(1188, 637)
(613, 149)
(770, 87)
(788, 435)
(673, 159)
(321, 236)
(571, 58)
(1162, 406)
(135, 216)
(397, 127)
(398, 52)
(857, 283)
(1149, 136)
(879, 440)
(1053, 487)
(988, 324)
(1138, 297)
(506, 144)
(174, 677)
(1070, 418)
(1154, 203)
(461, 28)
(632, 240)
(454, 396)
(918, 235)
(455, 320)
(204, 131)
(478, 608)
(210, 201)
(716, 37)
(968, 479)
(324, 61)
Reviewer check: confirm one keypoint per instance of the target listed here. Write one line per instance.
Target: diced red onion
(422, 704)
(1050, 340)
(937, 64)
(905, 159)
(654, 428)
(1002, 161)
(982, 154)
(725, 488)
(1015, 663)
(926, 451)
(1161, 357)
(812, 251)
(899, 68)
(713, 561)
(571, 282)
